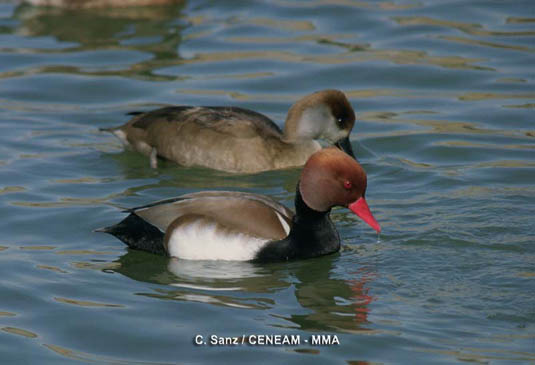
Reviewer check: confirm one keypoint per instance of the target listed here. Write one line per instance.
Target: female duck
(239, 140)
(223, 225)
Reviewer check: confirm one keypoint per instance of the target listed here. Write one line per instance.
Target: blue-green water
(444, 93)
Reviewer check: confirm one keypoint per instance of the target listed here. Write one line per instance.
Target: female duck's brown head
(325, 114)
(331, 178)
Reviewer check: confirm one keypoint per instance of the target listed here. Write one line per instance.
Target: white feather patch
(122, 136)
(284, 224)
(202, 241)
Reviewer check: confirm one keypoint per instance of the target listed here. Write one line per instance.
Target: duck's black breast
(304, 241)
(312, 234)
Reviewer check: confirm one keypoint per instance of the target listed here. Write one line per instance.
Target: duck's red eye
(347, 184)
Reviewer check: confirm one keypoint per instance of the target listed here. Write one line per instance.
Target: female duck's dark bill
(345, 145)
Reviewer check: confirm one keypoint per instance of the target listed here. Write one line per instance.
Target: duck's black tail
(137, 234)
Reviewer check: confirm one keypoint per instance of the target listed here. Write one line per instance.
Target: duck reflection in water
(96, 4)
(331, 303)
(143, 36)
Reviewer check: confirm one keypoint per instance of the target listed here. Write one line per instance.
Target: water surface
(444, 94)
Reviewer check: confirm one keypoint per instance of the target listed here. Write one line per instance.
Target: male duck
(239, 140)
(224, 225)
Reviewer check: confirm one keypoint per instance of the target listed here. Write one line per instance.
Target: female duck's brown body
(240, 140)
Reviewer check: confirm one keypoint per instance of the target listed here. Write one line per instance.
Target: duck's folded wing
(252, 214)
(235, 121)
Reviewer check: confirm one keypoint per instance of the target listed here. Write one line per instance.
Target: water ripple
(443, 93)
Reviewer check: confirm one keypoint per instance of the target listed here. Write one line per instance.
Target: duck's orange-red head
(332, 178)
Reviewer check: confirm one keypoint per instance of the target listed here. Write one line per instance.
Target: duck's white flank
(202, 241)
